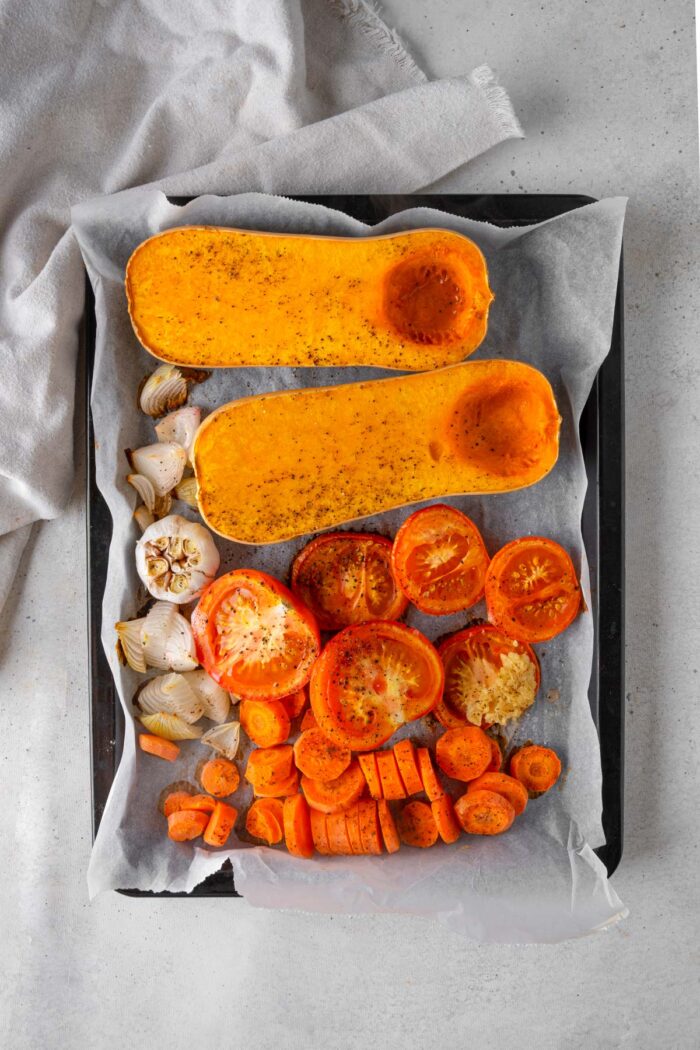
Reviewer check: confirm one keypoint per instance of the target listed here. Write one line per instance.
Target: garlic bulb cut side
(186, 490)
(131, 644)
(144, 517)
(163, 464)
(224, 739)
(215, 701)
(163, 391)
(170, 727)
(180, 426)
(167, 639)
(176, 559)
(172, 694)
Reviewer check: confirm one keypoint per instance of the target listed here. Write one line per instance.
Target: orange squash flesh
(281, 465)
(210, 297)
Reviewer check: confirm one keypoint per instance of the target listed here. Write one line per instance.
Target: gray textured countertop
(606, 94)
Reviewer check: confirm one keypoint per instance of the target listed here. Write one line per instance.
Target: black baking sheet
(602, 438)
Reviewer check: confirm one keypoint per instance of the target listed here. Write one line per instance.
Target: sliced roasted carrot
(352, 823)
(186, 824)
(319, 831)
(484, 813)
(405, 754)
(502, 784)
(386, 823)
(264, 820)
(445, 819)
(308, 721)
(338, 836)
(290, 786)
(496, 762)
(537, 768)
(218, 776)
(175, 801)
(220, 825)
(158, 746)
(204, 803)
(392, 784)
(319, 757)
(431, 785)
(368, 765)
(295, 703)
(463, 753)
(265, 721)
(416, 825)
(330, 796)
(368, 820)
(297, 826)
(268, 767)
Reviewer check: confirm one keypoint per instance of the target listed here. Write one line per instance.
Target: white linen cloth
(221, 96)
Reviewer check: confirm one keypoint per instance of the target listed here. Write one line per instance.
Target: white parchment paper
(555, 289)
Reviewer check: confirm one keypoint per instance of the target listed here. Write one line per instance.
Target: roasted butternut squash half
(285, 464)
(217, 298)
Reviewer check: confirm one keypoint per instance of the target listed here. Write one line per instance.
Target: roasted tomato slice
(440, 560)
(370, 679)
(346, 578)
(489, 678)
(254, 637)
(532, 591)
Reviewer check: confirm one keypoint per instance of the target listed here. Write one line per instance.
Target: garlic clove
(169, 726)
(215, 701)
(180, 427)
(167, 639)
(130, 643)
(162, 391)
(144, 517)
(170, 693)
(176, 559)
(186, 490)
(162, 464)
(224, 738)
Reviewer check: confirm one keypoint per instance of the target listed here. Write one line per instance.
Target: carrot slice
(218, 776)
(496, 762)
(264, 820)
(268, 767)
(175, 801)
(308, 721)
(338, 836)
(352, 823)
(319, 757)
(368, 765)
(484, 813)
(389, 832)
(158, 746)
(368, 820)
(265, 721)
(537, 768)
(431, 785)
(186, 824)
(392, 784)
(416, 825)
(290, 786)
(445, 819)
(220, 824)
(330, 796)
(204, 803)
(295, 703)
(405, 754)
(319, 831)
(297, 826)
(463, 753)
(502, 784)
